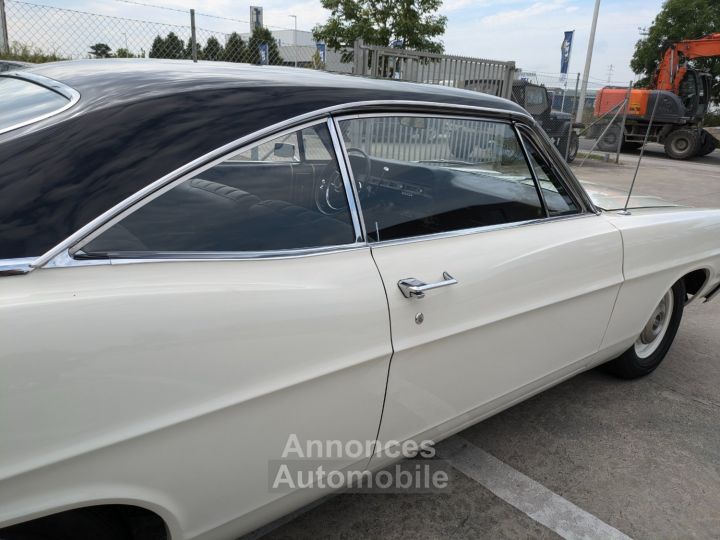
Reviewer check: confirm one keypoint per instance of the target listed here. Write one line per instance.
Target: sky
(528, 32)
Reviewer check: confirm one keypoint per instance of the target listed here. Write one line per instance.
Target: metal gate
(488, 76)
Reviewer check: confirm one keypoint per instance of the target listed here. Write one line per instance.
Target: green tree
(414, 23)
(157, 49)
(124, 53)
(678, 20)
(259, 36)
(213, 50)
(101, 50)
(174, 46)
(235, 50)
(169, 47)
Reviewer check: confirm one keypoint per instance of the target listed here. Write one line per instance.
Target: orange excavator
(679, 96)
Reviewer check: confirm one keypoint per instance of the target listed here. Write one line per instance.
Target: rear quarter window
(22, 102)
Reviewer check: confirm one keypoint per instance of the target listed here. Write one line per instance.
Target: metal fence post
(358, 57)
(193, 38)
(4, 42)
(621, 135)
(506, 92)
(572, 119)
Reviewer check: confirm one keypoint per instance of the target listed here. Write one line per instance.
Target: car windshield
(22, 101)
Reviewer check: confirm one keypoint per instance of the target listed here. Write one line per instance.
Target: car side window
(265, 198)
(424, 175)
(557, 199)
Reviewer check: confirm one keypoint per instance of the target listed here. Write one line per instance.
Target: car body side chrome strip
(15, 267)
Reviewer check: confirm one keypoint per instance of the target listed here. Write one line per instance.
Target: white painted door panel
(530, 301)
(181, 381)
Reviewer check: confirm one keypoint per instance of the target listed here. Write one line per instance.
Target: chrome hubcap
(655, 329)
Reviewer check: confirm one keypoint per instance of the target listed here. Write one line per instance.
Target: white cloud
(531, 35)
(517, 15)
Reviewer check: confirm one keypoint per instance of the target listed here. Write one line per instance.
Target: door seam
(392, 354)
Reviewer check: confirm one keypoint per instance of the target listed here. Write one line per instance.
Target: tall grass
(28, 53)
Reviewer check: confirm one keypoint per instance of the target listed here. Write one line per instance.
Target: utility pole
(611, 68)
(193, 37)
(588, 61)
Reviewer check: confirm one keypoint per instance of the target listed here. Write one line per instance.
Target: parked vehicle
(202, 259)
(536, 100)
(558, 125)
(679, 97)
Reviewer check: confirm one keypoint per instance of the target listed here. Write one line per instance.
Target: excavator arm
(671, 70)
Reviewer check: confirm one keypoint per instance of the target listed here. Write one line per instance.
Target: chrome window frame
(214, 255)
(72, 95)
(59, 255)
(584, 210)
(546, 147)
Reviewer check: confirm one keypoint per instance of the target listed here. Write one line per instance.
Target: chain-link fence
(596, 132)
(39, 33)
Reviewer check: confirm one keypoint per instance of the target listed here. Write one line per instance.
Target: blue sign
(565, 50)
(264, 54)
(321, 51)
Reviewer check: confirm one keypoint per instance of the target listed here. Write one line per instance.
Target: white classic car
(200, 261)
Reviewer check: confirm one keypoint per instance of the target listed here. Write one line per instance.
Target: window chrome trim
(531, 168)
(161, 190)
(582, 211)
(344, 159)
(479, 230)
(59, 252)
(65, 260)
(567, 177)
(348, 184)
(72, 95)
(15, 267)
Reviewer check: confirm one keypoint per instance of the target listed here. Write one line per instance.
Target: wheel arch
(696, 281)
(128, 510)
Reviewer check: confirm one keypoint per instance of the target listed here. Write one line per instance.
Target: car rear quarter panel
(660, 247)
(172, 385)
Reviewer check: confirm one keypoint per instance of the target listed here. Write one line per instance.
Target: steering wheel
(361, 176)
(330, 197)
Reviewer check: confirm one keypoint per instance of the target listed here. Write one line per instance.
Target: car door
(498, 282)
(197, 343)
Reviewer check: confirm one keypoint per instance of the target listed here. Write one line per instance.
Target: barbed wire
(197, 13)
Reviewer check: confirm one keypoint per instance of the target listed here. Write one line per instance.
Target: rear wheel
(708, 143)
(653, 343)
(573, 149)
(609, 141)
(682, 144)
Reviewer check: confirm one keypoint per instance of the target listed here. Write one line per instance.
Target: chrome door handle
(414, 288)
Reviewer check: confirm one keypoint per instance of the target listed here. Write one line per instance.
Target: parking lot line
(524, 493)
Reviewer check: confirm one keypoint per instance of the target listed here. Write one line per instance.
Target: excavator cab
(694, 91)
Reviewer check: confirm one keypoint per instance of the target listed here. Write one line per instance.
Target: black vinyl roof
(102, 82)
(139, 120)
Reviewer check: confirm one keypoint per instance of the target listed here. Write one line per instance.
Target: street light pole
(295, 38)
(588, 61)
